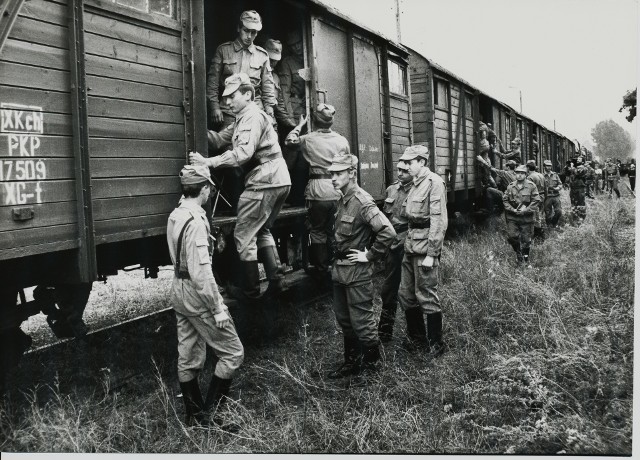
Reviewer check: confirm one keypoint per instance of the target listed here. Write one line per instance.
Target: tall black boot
(275, 274)
(525, 255)
(352, 359)
(434, 332)
(249, 290)
(192, 403)
(216, 397)
(387, 319)
(368, 367)
(416, 332)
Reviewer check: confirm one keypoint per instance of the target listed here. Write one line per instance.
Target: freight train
(101, 101)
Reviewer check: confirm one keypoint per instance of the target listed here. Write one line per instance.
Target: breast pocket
(255, 70)
(241, 136)
(417, 206)
(345, 225)
(526, 196)
(388, 205)
(229, 67)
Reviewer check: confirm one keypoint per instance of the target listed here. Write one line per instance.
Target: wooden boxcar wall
(136, 126)
(421, 84)
(401, 117)
(36, 149)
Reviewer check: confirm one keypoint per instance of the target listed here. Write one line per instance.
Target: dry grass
(539, 362)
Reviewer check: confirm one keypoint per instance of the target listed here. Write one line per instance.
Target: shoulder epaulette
(260, 48)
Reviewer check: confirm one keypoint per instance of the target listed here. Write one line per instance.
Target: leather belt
(399, 228)
(417, 225)
(319, 176)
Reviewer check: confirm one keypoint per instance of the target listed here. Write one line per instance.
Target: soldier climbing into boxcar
(538, 179)
(358, 220)
(254, 142)
(505, 176)
(240, 55)
(396, 195)
(515, 153)
(319, 148)
(202, 317)
(552, 204)
(425, 209)
(520, 201)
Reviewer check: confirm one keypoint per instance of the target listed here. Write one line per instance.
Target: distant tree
(612, 141)
(629, 103)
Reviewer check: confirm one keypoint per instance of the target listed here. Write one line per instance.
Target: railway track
(114, 355)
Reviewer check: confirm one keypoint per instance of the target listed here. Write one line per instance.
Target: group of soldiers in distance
(530, 199)
(348, 231)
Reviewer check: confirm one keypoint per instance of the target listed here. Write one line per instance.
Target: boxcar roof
(333, 11)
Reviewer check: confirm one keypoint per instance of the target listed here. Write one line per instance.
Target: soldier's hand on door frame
(217, 116)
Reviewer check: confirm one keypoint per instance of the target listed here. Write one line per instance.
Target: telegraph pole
(398, 21)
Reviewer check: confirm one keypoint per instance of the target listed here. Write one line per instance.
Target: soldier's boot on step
(273, 269)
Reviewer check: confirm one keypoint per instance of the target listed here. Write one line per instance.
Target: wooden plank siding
(136, 125)
(38, 165)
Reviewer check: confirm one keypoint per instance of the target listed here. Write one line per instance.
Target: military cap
(516, 140)
(547, 163)
(325, 112)
(191, 174)
(522, 168)
(251, 20)
(274, 49)
(343, 162)
(233, 82)
(511, 162)
(415, 151)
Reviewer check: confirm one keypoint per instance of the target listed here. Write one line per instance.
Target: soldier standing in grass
(520, 201)
(253, 141)
(632, 175)
(613, 175)
(552, 186)
(358, 219)
(396, 194)
(202, 317)
(538, 179)
(577, 194)
(319, 147)
(425, 209)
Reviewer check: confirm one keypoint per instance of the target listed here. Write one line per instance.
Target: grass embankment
(539, 362)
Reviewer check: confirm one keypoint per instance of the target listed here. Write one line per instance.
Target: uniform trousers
(539, 221)
(578, 201)
(353, 302)
(391, 283)
(613, 184)
(419, 285)
(520, 231)
(257, 211)
(321, 217)
(552, 209)
(194, 334)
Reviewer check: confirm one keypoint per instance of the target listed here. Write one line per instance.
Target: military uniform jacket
(197, 293)
(232, 57)
(538, 179)
(552, 183)
(525, 198)
(426, 204)
(612, 170)
(318, 148)
(252, 137)
(506, 175)
(357, 220)
(577, 177)
(396, 194)
(292, 83)
(591, 174)
(631, 170)
(279, 110)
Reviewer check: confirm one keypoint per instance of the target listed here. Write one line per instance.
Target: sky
(571, 60)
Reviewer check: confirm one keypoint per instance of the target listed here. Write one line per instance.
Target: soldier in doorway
(293, 85)
(515, 153)
(284, 122)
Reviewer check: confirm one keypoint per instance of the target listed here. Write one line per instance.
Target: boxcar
(101, 101)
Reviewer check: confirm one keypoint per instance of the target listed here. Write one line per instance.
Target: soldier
(515, 153)
(426, 211)
(598, 179)
(254, 141)
(396, 194)
(283, 119)
(505, 176)
(358, 219)
(613, 175)
(589, 179)
(319, 148)
(493, 196)
(552, 205)
(202, 317)
(534, 143)
(538, 179)
(293, 85)
(241, 55)
(577, 194)
(632, 175)
(520, 201)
